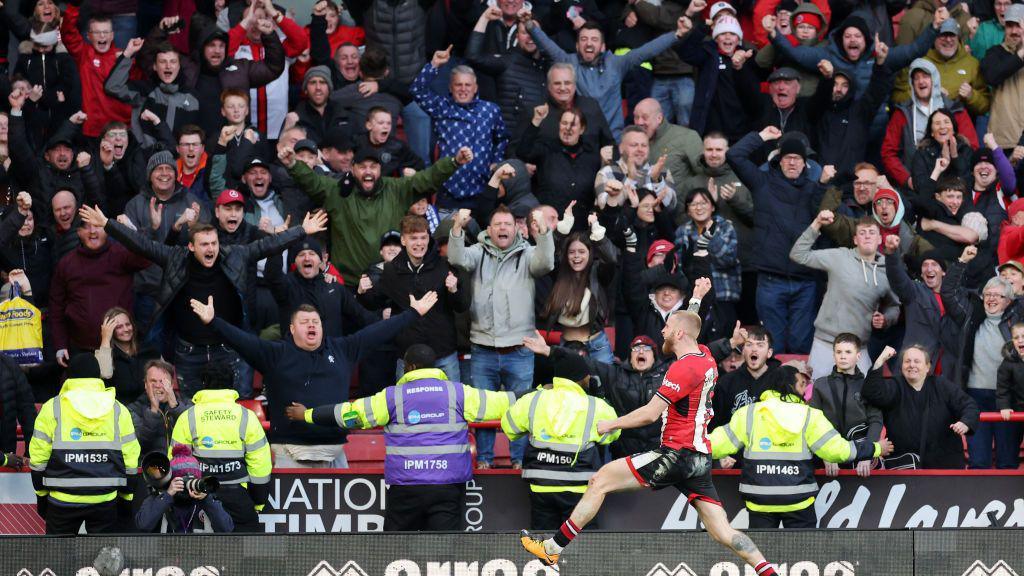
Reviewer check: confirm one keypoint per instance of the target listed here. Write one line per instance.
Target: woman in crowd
(926, 416)
(121, 357)
(942, 152)
(707, 233)
(578, 302)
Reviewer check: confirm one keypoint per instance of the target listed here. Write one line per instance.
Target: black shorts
(688, 471)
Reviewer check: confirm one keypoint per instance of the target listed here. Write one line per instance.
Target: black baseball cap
(392, 237)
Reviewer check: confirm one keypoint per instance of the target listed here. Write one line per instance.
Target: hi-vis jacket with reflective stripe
(778, 438)
(226, 438)
(83, 450)
(562, 424)
(424, 417)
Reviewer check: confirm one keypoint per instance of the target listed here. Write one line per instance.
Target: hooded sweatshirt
(502, 308)
(856, 288)
(962, 67)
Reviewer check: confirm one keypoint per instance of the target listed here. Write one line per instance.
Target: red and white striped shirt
(687, 388)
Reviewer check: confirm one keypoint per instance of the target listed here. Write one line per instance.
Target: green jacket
(921, 15)
(990, 33)
(785, 432)
(358, 221)
(683, 147)
(962, 67)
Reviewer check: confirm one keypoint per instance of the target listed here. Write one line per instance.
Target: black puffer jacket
(564, 173)
(399, 27)
(174, 260)
(626, 390)
(1010, 381)
(41, 178)
(437, 328)
(522, 77)
(18, 403)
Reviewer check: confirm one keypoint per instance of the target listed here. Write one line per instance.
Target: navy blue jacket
(312, 378)
(784, 208)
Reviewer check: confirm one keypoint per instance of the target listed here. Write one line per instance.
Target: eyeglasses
(641, 348)
(885, 201)
(118, 133)
(700, 203)
(993, 296)
(101, 32)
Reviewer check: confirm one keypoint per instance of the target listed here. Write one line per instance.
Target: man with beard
(163, 98)
(58, 167)
(359, 219)
(991, 178)
(960, 72)
(887, 208)
(519, 71)
(626, 387)
(683, 460)
(94, 278)
(842, 128)
(316, 112)
(634, 171)
(397, 159)
(199, 272)
(121, 163)
(95, 60)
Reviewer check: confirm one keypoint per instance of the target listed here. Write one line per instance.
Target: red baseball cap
(659, 247)
(230, 196)
(642, 340)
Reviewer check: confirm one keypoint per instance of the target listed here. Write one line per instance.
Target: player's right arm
(638, 418)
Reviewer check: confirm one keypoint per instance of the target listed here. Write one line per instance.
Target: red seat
(257, 408)
(365, 448)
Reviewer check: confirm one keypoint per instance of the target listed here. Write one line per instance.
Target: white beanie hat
(727, 24)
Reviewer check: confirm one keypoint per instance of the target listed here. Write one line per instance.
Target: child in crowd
(838, 397)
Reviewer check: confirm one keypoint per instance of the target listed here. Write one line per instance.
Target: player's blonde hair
(689, 322)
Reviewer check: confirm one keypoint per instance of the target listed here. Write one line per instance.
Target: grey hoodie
(856, 288)
(502, 310)
(918, 118)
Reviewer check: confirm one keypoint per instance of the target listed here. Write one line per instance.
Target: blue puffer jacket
(783, 208)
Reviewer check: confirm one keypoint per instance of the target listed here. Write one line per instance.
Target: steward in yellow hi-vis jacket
(84, 456)
(427, 459)
(561, 420)
(779, 436)
(229, 442)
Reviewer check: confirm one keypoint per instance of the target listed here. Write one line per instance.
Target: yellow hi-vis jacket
(227, 439)
(83, 446)
(778, 438)
(562, 424)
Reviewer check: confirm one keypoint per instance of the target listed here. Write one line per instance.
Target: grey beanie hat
(158, 159)
(317, 71)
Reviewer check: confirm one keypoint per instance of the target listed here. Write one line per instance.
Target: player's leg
(713, 517)
(616, 476)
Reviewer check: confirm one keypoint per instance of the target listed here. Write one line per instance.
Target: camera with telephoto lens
(204, 485)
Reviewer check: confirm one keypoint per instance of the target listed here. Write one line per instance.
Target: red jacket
(1011, 238)
(342, 34)
(892, 144)
(93, 68)
(85, 285)
(759, 36)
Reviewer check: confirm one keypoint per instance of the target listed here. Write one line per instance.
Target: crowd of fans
(840, 181)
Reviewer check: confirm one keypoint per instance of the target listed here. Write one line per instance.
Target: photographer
(182, 503)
